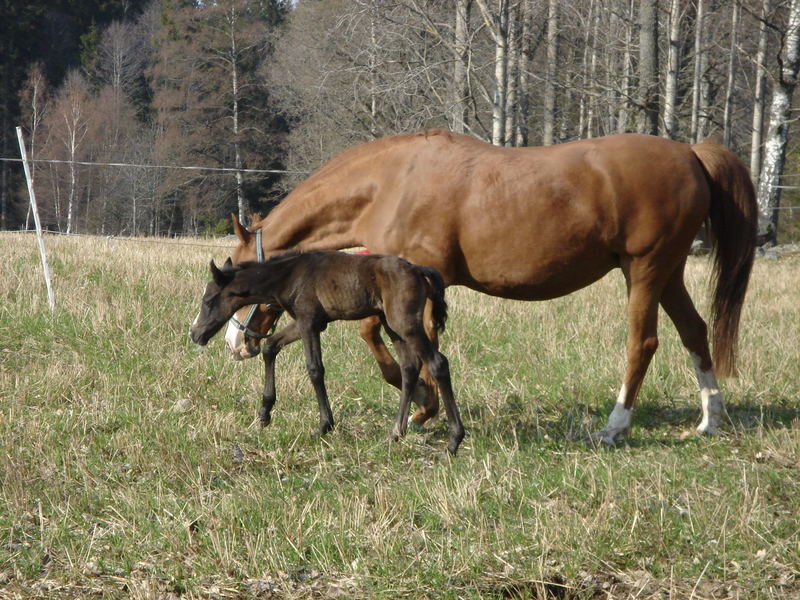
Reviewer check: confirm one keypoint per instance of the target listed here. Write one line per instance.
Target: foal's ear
(240, 231)
(228, 266)
(221, 277)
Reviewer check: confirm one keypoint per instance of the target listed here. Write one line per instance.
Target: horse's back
(536, 223)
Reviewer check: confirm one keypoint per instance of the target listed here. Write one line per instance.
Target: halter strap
(245, 323)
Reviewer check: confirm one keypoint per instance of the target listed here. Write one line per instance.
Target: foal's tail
(436, 295)
(732, 220)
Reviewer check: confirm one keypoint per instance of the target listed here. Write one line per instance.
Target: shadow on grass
(523, 423)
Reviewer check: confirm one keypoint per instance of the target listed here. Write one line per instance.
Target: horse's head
(249, 325)
(222, 298)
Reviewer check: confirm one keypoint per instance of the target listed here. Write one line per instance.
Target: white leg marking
(710, 398)
(619, 421)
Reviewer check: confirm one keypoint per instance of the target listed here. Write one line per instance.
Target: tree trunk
(769, 192)
(624, 107)
(648, 67)
(512, 77)
(549, 117)
(523, 83)
(698, 70)
(759, 102)
(500, 75)
(241, 201)
(460, 81)
(585, 60)
(673, 66)
(727, 125)
(591, 117)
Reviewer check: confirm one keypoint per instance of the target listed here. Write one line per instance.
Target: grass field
(131, 464)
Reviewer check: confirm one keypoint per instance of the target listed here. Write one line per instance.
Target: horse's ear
(240, 231)
(220, 277)
(255, 218)
(228, 266)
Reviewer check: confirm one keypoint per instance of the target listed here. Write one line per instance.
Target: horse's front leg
(272, 346)
(316, 373)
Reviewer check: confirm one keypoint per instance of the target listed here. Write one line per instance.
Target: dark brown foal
(316, 288)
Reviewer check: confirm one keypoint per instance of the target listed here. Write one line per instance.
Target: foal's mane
(271, 270)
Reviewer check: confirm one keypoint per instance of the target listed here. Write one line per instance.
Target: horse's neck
(316, 216)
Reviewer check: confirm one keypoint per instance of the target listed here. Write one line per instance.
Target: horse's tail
(436, 295)
(732, 224)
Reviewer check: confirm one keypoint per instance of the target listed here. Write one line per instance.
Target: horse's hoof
(415, 427)
(707, 429)
(603, 438)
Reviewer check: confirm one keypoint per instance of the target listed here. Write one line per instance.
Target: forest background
(270, 89)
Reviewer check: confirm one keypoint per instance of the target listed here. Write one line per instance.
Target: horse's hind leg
(644, 291)
(424, 391)
(694, 334)
(426, 396)
(370, 331)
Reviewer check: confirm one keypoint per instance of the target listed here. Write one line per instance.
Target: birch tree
(70, 124)
(461, 65)
(727, 117)
(699, 66)
(759, 101)
(497, 24)
(34, 102)
(673, 71)
(549, 116)
(769, 191)
(648, 67)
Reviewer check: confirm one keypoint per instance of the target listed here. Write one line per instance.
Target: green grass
(132, 465)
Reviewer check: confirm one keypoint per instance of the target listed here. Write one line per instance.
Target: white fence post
(50, 298)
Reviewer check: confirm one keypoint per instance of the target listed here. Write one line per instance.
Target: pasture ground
(131, 465)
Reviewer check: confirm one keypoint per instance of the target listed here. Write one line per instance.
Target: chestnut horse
(538, 223)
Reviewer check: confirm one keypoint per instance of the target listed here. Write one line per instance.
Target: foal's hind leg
(694, 334)
(644, 291)
(440, 370)
(409, 369)
(316, 372)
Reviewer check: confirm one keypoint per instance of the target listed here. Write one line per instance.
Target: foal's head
(223, 297)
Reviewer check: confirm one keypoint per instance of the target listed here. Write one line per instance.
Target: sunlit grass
(132, 466)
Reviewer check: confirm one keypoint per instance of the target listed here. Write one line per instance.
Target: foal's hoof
(264, 418)
(324, 430)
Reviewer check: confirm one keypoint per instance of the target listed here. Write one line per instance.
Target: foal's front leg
(316, 373)
(272, 346)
